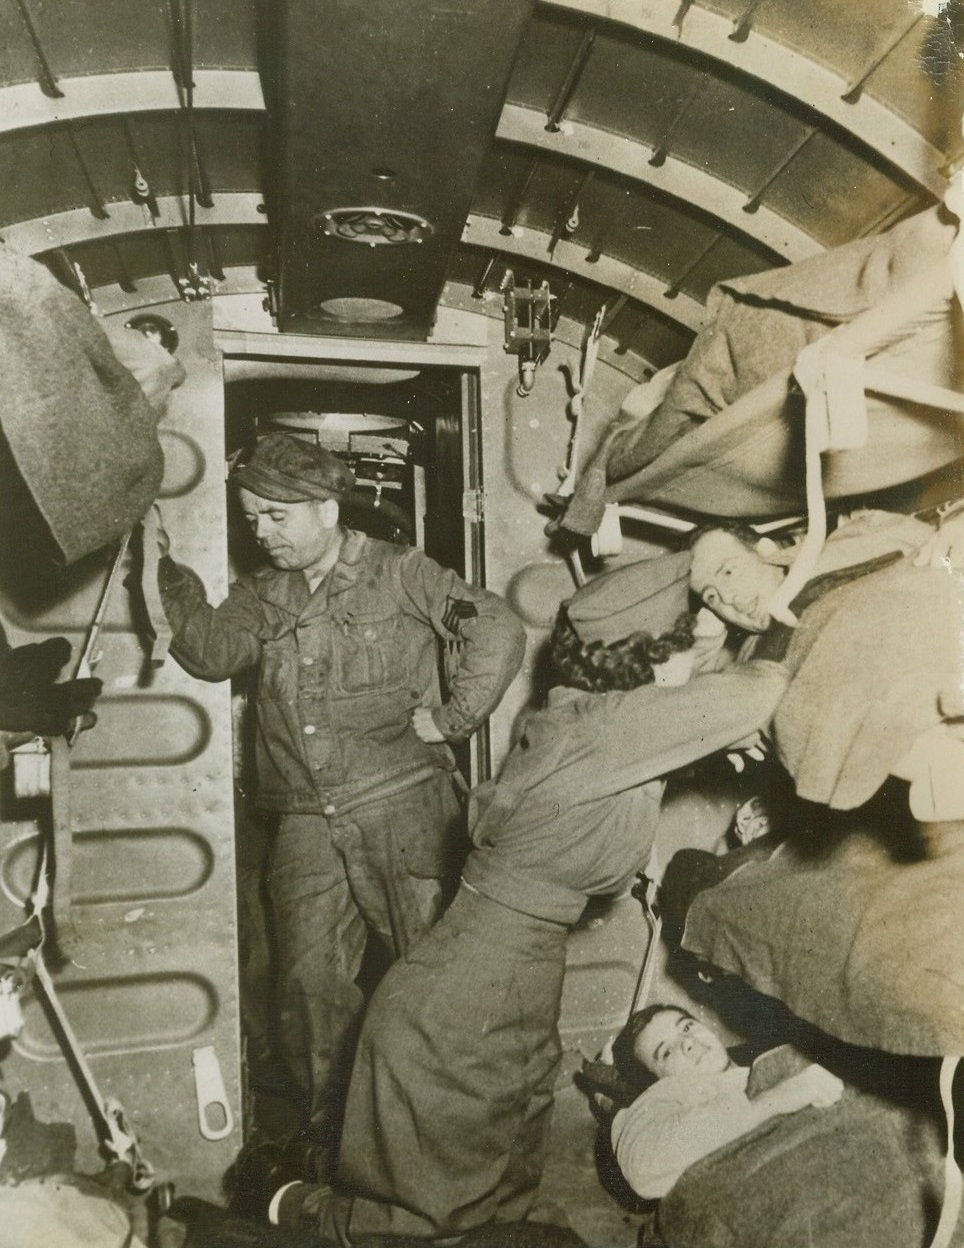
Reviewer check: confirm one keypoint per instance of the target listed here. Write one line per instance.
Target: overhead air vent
(375, 227)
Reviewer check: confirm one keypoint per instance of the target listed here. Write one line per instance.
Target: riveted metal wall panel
(152, 970)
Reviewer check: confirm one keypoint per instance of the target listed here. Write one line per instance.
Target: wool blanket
(78, 424)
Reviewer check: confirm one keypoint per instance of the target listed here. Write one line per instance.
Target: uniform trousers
(379, 868)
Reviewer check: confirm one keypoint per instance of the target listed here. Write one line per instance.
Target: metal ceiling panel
(931, 101)
(124, 220)
(230, 147)
(825, 30)
(644, 231)
(390, 105)
(96, 36)
(836, 195)
(131, 257)
(244, 244)
(656, 338)
(17, 60)
(227, 34)
(545, 55)
(650, 232)
(23, 106)
(134, 259)
(738, 47)
(631, 87)
(887, 51)
(724, 258)
(502, 179)
(107, 36)
(641, 228)
(157, 144)
(102, 156)
(92, 164)
(38, 177)
(739, 134)
(596, 149)
(548, 189)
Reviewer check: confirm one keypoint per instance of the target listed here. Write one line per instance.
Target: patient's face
(673, 1043)
(736, 583)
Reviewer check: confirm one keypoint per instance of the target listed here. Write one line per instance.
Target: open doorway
(411, 438)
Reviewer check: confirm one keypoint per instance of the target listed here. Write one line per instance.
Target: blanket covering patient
(781, 1154)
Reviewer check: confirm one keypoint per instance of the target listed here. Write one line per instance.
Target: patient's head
(665, 1040)
(620, 628)
(733, 578)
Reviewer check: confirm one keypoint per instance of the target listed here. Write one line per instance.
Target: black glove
(30, 701)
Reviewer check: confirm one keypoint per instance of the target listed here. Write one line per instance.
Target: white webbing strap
(89, 657)
(62, 838)
(647, 973)
(831, 373)
(817, 436)
(580, 388)
(953, 1179)
(150, 590)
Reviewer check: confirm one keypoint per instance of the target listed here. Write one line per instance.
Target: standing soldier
(352, 734)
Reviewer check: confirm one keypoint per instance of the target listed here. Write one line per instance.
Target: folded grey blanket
(78, 425)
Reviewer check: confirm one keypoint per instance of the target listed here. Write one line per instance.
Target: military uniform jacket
(574, 812)
(342, 668)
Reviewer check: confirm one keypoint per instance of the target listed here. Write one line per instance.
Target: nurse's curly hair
(624, 664)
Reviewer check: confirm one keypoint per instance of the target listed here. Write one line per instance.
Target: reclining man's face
(736, 583)
(675, 1044)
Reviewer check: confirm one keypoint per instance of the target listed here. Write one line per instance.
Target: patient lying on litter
(698, 1098)
(873, 664)
(735, 571)
(779, 1153)
(871, 731)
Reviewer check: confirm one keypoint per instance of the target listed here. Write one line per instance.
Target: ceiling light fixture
(356, 309)
(374, 227)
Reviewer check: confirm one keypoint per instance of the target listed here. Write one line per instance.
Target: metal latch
(214, 1116)
(473, 506)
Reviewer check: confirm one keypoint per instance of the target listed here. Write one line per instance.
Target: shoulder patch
(457, 610)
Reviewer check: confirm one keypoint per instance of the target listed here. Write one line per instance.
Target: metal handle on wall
(211, 1095)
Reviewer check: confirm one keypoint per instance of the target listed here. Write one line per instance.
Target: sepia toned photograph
(481, 623)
